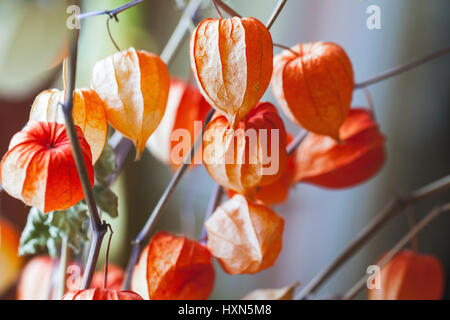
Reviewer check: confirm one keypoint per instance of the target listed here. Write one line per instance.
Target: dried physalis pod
(39, 168)
(182, 123)
(251, 155)
(88, 114)
(245, 237)
(134, 86)
(10, 262)
(322, 161)
(313, 83)
(278, 191)
(232, 60)
(174, 268)
(409, 276)
(101, 294)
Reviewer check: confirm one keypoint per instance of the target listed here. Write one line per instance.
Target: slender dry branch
(214, 4)
(390, 210)
(160, 206)
(111, 13)
(296, 142)
(214, 201)
(123, 147)
(400, 69)
(98, 227)
(230, 11)
(276, 12)
(353, 292)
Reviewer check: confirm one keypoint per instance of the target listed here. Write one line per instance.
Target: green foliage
(46, 231)
(106, 199)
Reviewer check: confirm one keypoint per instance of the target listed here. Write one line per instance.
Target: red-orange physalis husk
(35, 279)
(186, 105)
(410, 276)
(134, 85)
(322, 161)
(250, 156)
(39, 168)
(114, 279)
(232, 60)
(277, 192)
(101, 294)
(9, 260)
(245, 237)
(174, 268)
(314, 86)
(88, 114)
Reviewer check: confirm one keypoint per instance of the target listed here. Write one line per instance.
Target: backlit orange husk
(101, 294)
(245, 237)
(9, 260)
(277, 192)
(314, 86)
(134, 86)
(232, 60)
(250, 156)
(175, 135)
(410, 276)
(174, 268)
(88, 114)
(322, 161)
(39, 168)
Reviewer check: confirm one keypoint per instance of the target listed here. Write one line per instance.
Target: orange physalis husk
(232, 60)
(101, 294)
(88, 114)
(174, 268)
(322, 161)
(114, 279)
(249, 156)
(185, 106)
(10, 262)
(134, 86)
(36, 279)
(314, 87)
(286, 293)
(245, 237)
(39, 168)
(410, 276)
(277, 192)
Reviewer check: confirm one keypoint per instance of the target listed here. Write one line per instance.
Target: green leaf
(106, 199)
(106, 165)
(44, 232)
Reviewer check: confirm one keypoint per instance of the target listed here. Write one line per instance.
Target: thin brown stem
(296, 142)
(414, 232)
(390, 210)
(111, 13)
(230, 11)
(276, 12)
(214, 202)
(400, 69)
(110, 35)
(411, 223)
(369, 100)
(97, 225)
(160, 206)
(214, 4)
(282, 46)
(105, 279)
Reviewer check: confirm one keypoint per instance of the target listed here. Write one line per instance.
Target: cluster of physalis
(233, 63)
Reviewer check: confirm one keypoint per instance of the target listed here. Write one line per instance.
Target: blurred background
(412, 110)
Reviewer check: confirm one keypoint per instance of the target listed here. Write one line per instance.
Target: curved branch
(389, 211)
